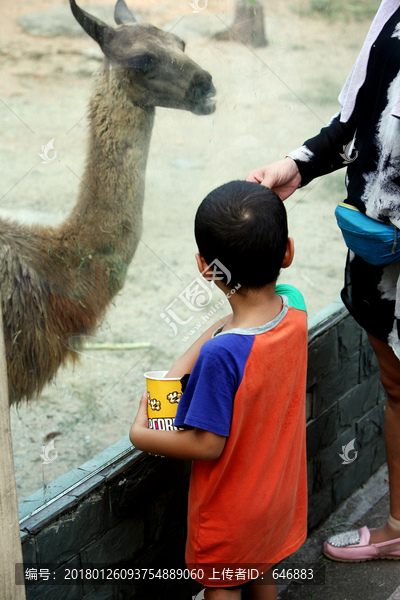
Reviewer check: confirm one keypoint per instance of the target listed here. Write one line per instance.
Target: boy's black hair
(244, 226)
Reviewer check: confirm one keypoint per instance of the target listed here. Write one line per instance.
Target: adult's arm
(322, 154)
(327, 151)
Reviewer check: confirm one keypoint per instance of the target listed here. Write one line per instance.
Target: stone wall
(345, 402)
(125, 508)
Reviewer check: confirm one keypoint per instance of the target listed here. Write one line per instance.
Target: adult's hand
(282, 177)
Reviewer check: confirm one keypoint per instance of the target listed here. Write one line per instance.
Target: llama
(57, 282)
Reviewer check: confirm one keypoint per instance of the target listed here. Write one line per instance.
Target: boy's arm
(185, 363)
(192, 444)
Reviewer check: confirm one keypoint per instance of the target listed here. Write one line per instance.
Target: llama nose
(202, 86)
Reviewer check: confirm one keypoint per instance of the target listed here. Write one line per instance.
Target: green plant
(339, 9)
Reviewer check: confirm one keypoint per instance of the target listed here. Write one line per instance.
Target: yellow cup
(163, 397)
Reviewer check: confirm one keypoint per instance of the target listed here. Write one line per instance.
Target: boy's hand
(142, 419)
(192, 444)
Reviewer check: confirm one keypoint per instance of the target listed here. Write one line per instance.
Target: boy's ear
(203, 268)
(289, 254)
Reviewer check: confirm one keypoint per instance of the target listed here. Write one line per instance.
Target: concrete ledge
(111, 461)
(326, 318)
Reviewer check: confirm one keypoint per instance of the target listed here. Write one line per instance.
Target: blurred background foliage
(342, 9)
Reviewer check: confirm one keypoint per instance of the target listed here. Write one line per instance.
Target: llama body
(57, 283)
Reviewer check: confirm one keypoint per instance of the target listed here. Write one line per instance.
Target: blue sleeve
(207, 401)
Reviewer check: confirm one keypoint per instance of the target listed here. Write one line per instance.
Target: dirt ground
(269, 101)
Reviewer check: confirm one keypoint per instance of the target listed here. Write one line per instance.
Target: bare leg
(265, 591)
(221, 594)
(390, 377)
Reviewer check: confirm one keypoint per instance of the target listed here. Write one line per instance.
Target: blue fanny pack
(374, 242)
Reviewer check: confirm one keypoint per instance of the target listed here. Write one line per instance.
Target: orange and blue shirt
(249, 506)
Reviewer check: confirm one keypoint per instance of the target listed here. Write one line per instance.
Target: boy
(244, 401)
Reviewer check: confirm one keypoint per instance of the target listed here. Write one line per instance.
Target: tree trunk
(248, 26)
(10, 539)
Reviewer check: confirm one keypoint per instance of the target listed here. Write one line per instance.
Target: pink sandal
(354, 546)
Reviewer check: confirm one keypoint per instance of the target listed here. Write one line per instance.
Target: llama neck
(107, 220)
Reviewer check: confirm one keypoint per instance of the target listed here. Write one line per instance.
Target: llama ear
(122, 14)
(97, 29)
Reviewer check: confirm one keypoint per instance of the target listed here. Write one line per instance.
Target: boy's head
(244, 226)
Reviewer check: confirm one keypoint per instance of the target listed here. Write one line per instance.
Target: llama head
(151, 64)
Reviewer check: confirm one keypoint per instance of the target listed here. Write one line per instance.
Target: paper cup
(163, 397)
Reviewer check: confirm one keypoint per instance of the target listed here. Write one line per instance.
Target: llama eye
(143, 63)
